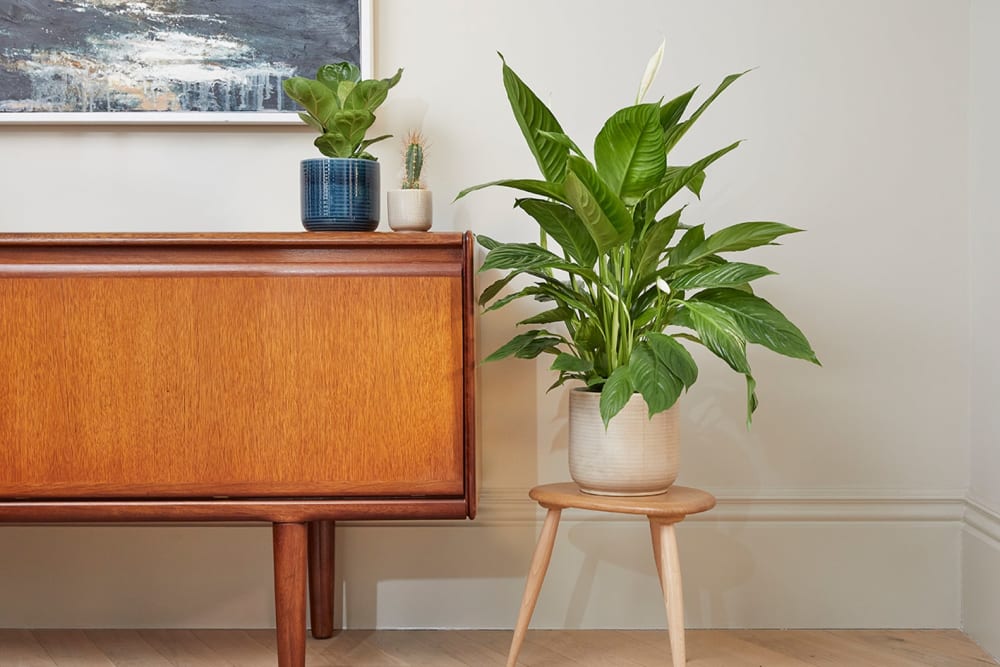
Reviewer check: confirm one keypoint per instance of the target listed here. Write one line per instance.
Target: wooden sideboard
(298, 379)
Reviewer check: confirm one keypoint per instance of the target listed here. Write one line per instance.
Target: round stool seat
(677, 502)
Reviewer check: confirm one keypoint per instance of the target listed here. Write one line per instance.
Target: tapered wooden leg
(290, 592)
(321, 578)
(539, 564)
(668, 566)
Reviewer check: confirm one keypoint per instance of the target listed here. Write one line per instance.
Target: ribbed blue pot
(340, 194)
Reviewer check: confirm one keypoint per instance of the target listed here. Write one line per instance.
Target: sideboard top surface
(290, 239)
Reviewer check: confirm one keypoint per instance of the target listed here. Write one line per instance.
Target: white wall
(845, 499)
(981, 551)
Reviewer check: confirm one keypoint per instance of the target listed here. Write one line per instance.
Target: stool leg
(668, 566)
(539, 564)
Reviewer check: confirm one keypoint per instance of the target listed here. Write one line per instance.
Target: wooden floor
(483, 648)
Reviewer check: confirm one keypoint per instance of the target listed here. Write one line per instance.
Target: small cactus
(413, 160)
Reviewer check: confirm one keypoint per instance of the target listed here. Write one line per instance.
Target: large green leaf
(691, 241)
(316, 98)
(558, 314)
(531, 257)
(368, 94)
(671, 112)
(526, 345)
(352, 123)
(333, 144)
(674, 134)
(628, 151)
(564, 225)
(535, 187)
(572, 363)
(600, 209)
(743, 236)
(654, 242)
(617, 391)
(652, 378)
(720, 333)
(520, 257)
(720, 275)
(675, 357)
(534, 117)
(333, 74)
(494, 288)
(677, 178)
(762, 323)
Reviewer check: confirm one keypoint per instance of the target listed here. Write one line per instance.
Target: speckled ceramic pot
(635, 456)
(340, 194)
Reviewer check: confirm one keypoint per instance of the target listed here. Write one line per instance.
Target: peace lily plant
(629, 280)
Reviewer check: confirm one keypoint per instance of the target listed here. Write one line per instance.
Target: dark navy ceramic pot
(340, 194)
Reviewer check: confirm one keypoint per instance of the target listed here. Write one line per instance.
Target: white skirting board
(981, 576)
(790, 560)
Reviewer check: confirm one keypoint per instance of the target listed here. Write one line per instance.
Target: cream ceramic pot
(409, 210)
(635, 456)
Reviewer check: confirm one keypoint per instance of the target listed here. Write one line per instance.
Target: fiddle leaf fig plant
(629, 281)
(341, 106)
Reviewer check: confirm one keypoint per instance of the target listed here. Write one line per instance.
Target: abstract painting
(82, 57)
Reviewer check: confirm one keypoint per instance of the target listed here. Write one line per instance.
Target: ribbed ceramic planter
(635, 456)
(340, 194)
(409, 210)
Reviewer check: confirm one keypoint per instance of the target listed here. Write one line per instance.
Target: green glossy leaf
(352, 124)
(744, 236)
(558, 314)
(368, 142)
(333, 74)
(720, 333)
(654, 243)
(513, 345)
(533, 117)
(674, 134)
(368, 94)
(569, 362)
(343, 91)
(628, 151)
(537, 346)
(531, 257)
(540, 188)
(751, 398)
(394, 79)
(333, 144)
(487, 242)
(519, 256)
(564, 225)
(531, 290)
(671, 112)
(617, 391)
(603, 213)
(761, 322)
(690, 242)
(494, 288)
(316, 98)
(563, 139)
(675, 357)
(653, 379)
(676, 179)
(720, 275)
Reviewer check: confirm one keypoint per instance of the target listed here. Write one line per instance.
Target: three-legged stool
(663, 512)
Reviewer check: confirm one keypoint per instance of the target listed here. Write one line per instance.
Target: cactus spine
(413, 160)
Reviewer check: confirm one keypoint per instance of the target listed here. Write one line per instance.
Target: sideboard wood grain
(289, 378)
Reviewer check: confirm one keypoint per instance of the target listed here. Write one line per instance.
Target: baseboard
(981, 575)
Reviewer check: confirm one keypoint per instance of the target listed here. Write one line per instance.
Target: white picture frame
(242, 118)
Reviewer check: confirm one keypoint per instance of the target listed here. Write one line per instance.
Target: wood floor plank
(182, 649)
(488, 648)
(126, 648)
(71, 648)
(19, 648)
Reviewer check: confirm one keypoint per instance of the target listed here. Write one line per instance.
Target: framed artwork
(170, 61)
